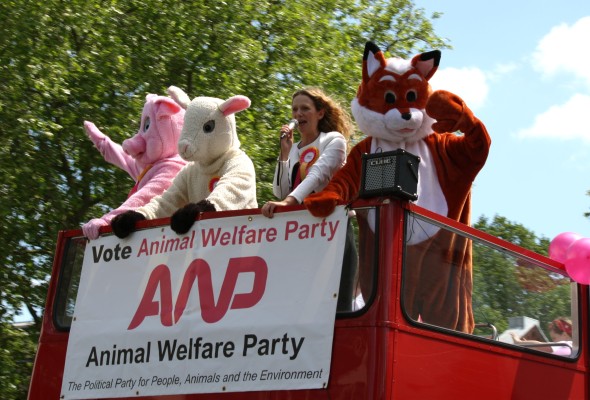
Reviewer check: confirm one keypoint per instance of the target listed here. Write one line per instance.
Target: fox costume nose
(407, 116)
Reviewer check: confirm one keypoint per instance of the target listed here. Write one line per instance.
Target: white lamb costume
(218, 170)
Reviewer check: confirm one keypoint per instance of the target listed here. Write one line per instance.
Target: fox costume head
(391, 99)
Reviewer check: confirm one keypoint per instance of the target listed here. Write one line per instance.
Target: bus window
(357, 281)
(505, 297)
(69, 279)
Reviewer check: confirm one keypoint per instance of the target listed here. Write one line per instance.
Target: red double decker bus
(378, 350)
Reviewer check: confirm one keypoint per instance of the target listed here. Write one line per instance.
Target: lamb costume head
(209, 126)
(218, 176)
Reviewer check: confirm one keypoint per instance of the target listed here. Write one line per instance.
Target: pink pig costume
(150, 157)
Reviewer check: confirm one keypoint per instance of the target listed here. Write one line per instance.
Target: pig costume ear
(166, 107)
(234, 105)
(179, 96)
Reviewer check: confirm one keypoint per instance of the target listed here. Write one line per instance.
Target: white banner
(242, 303)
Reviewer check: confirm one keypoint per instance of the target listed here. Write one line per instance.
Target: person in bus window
(560, 331)
(306, 166)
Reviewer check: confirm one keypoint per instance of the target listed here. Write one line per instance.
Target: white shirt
(332, 156)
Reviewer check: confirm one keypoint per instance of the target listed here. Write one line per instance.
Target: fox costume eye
(411, 95)
(390, 97)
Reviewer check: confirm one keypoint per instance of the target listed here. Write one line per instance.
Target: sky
(523, 68)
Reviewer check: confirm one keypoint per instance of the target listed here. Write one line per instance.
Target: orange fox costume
(396, 108)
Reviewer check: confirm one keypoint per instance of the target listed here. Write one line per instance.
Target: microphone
(292, 125)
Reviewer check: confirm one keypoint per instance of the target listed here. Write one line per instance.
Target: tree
(16, 358)
(63, 62)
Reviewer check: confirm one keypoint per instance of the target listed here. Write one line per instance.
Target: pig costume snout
(134, 146)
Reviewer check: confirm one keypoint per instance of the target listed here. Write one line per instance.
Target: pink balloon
(577, 262)
(559, 245)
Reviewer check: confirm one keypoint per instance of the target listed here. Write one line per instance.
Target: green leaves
(17, 349)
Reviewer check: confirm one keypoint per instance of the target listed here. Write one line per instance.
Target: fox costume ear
(427, 63)
(374, 59)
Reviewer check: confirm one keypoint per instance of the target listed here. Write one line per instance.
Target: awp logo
(199, 269)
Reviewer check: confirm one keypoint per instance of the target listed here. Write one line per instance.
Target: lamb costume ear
(234, 105)
(179, 96)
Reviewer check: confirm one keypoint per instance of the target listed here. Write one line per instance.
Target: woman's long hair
(336, 118)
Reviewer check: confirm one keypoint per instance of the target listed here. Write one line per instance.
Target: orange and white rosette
(307, 159)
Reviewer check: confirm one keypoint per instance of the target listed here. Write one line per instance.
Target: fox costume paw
(450, 112)
(322, 204)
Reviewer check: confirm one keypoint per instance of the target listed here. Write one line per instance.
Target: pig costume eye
(146, 124)
(209, 126)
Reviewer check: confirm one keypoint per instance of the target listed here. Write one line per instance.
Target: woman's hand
(286, 142)
(268, 208)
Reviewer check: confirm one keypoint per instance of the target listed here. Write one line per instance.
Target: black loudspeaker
(392, 173)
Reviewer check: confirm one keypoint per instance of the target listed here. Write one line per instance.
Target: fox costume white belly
(395, 108)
